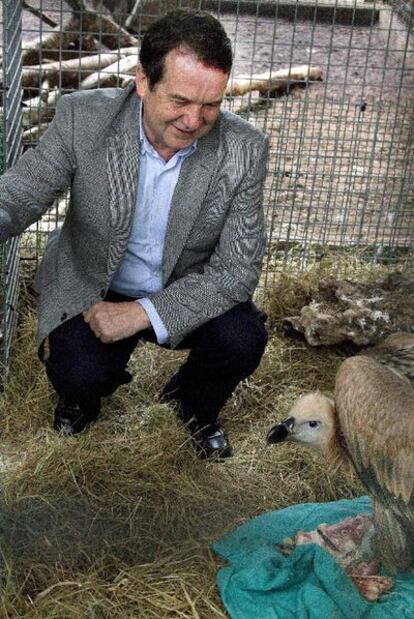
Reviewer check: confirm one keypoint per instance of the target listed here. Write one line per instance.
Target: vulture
(369, 426)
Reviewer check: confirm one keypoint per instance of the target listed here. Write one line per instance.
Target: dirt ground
(342, 150)
(356, 62)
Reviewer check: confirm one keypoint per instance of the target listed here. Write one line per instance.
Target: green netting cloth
(261, 583)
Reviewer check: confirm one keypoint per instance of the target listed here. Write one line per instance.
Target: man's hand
(111, 322)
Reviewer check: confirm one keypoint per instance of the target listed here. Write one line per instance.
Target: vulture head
(311, 421)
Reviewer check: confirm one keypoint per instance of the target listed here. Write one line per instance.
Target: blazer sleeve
(40, 176)
(232, 272)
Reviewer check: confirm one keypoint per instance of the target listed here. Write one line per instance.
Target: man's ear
(141, 81)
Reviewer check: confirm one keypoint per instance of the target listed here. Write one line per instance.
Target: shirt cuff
(157, 324)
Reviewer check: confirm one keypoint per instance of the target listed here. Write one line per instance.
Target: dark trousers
(223, 352)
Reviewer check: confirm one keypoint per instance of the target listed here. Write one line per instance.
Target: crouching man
(164, 235)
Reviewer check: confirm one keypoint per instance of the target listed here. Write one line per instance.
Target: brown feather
(375, 409)
(337, 454)
(396, 352)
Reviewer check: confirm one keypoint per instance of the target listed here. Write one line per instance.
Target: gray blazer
(215, 235)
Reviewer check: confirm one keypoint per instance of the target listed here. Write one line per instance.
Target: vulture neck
(337, 455)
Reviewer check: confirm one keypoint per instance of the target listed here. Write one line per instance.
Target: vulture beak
(281, 431)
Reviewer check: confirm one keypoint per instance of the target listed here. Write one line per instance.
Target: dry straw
(116, 523)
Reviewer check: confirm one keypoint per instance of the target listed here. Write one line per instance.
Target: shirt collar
(147, 148)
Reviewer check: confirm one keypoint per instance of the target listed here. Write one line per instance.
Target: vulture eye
(314, 424)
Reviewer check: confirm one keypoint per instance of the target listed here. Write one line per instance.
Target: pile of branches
(86, 49)
(94, 45)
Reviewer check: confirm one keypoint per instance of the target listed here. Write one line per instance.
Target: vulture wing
(375, 410)
(396, 351)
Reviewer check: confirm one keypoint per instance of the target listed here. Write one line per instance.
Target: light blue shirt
(140, 272)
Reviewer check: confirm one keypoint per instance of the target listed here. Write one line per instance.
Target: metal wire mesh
(341, 165)
(342, 151)
(11, 145)
(405, 11)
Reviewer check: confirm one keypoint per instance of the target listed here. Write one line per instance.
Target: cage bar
(11, 148)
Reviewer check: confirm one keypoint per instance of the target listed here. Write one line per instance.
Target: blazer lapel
(123, 156)
(188, 198)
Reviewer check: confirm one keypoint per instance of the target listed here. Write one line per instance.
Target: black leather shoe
(71, 418)
(210, 442)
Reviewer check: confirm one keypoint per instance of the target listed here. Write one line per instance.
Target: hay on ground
(116, 523)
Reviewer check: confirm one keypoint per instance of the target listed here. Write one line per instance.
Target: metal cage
(341, 167)
(11, 147)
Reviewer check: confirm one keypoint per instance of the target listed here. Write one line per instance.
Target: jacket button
(64, 316)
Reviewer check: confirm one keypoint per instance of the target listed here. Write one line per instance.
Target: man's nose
(193, 118)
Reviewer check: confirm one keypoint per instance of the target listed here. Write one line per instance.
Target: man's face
(184, 105)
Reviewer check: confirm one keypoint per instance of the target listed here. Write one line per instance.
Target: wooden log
(273, 81)
(39, 109)
(57, 44)
(133, 15)
(32, 135)
(125, 67)
(118, 80)
(70, 72)
(48, 45)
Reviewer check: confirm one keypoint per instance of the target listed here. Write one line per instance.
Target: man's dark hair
(199, 32)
